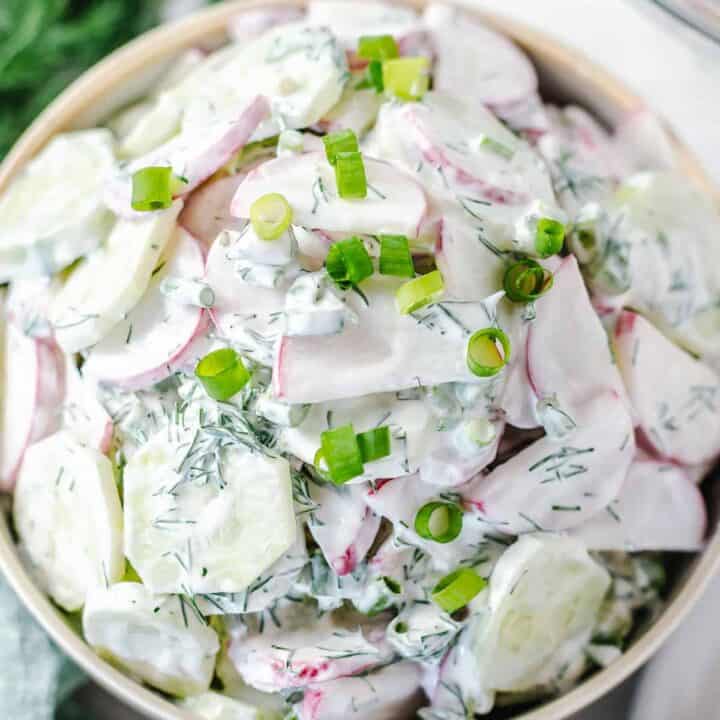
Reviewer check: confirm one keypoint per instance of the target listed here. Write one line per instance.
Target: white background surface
(678, 74)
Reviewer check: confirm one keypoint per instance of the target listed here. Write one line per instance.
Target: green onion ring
(222, 374)
(526, 281)
(457, 589)
(448, 513)
(483, 356)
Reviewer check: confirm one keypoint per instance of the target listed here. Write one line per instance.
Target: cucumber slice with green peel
(158, 639)
(68, 516)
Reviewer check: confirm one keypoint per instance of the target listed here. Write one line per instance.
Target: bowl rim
(116, 71)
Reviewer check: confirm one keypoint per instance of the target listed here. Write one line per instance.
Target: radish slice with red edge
(659, 508)
(559, 485)
(194, 155)
(568, 352)
(392, 692)
(503, 73)
(676, 397)
(385, 351)
(159, 335)
(395, 203)
(34, 388)
(207, 210)
(343, 525)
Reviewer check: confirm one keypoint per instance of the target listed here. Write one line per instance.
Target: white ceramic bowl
(126, 74)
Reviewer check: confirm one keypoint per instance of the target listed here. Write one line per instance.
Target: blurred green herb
(46, 44)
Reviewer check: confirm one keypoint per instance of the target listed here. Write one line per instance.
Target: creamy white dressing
(320, 595)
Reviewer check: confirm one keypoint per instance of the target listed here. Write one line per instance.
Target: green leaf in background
(46, 44)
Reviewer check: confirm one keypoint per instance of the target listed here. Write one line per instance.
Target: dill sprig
(46, 44)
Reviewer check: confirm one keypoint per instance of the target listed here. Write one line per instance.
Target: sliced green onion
(392, 585)
(526, 281)
(549, 237)
(374, 444)
(407, 78)
(395, 257)
(151, 189)
(340, 141)
(421, 291)
(488, 351)
(374, 76)
(350, 175)
(457, 589)
(377, 47)
(341, 453)
(270, 216)
(222, 374)
(439, 521)
(348, 262)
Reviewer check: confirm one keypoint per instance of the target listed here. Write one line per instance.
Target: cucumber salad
(346, 377)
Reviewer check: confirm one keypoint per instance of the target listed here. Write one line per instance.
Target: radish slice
(642, 139)
(68, 515)
(207, 210)
(250, 23)
(392, 693)
(568, 353)
(343, 525)
(459, 150)
(554, 485)
(103, 290)
(193, 155)
(475, 62)
(581, 157)
(471, 269)
(53, 213)
(518, 400)
(34, 387)
(159, 639)
(384, 352)
(323, 651)
(658, 509)
(411, 422)
(82, 415)
(348, 23)
(159, 335)
(676, 397)
(399, 500)
(395, 204)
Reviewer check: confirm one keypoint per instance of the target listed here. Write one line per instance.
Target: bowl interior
(566, 76)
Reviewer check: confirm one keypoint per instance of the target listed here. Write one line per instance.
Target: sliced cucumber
(68, 516)
(214, 534)
(158, 639)
(53, 212)
(544, 599)
(106, 287)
